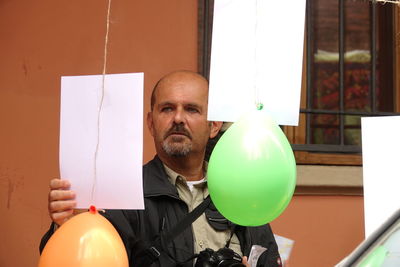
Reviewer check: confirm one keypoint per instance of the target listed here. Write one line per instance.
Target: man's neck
(192, 167)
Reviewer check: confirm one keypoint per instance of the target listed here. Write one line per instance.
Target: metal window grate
(341, 112)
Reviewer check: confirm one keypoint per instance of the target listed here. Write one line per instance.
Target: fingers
(61, 217)
(61, 194)
(59, 184)
(61, 205)
(61, 201)
(244, 261)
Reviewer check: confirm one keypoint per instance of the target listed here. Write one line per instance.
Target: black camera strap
(152, 253)
(185, 222)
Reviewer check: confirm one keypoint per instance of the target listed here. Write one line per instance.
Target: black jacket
(164, 209)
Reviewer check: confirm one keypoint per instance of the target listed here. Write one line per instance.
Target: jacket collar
(155, 180)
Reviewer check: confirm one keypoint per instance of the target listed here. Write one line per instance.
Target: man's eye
(166, 109)
(192, 110)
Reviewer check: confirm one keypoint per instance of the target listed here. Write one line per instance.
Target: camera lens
(224, 257)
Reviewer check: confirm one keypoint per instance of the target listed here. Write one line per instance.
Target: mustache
(178, 129)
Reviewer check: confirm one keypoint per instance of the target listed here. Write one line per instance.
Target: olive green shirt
(205, 236)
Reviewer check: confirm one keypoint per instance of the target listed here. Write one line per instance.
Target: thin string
(256, 89)
(257, 99)
(101, 100)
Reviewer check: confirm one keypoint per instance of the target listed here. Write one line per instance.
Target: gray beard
(176, 150)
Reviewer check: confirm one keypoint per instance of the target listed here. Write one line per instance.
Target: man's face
(178, 121)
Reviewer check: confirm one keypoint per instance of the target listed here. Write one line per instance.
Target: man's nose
(179, 116)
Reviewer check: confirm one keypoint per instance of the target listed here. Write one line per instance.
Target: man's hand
(61, 201)
(244, 261)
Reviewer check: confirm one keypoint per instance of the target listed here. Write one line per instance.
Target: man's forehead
(185, 103)
(181, 90)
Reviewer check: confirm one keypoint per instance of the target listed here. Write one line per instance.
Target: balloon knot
(92, 209)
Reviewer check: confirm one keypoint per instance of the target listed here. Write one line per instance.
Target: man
(174, 183)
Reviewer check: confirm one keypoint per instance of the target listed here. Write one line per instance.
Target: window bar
(373, 57)
(208, 7)
(341, 70)
(309, 32)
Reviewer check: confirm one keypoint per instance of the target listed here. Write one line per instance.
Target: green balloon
(252, 171)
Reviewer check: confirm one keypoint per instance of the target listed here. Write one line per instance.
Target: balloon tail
(92, 209)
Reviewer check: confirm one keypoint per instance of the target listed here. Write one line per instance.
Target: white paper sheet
(381, 169)
(285, 246)
(118, 183)
(257, 52)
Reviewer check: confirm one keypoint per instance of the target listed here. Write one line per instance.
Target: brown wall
(325, 228)
(40, 41)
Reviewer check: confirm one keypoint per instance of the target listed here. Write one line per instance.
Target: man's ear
(215, 127)
(150, 123)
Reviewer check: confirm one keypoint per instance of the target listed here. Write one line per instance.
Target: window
(349, 71)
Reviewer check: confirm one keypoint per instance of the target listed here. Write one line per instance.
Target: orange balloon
(86, 240)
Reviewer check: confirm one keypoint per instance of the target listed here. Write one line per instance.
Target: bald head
(174, 79)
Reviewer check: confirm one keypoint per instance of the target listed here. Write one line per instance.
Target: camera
(224, 257)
